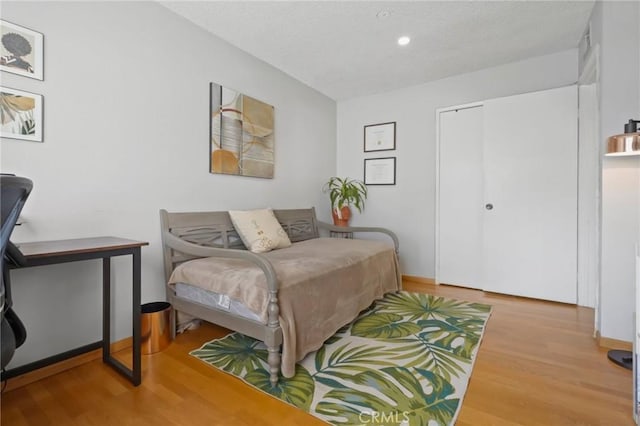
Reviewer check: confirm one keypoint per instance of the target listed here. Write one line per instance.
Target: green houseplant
(344, 192)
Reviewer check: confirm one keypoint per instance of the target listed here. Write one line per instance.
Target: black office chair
(14, 191)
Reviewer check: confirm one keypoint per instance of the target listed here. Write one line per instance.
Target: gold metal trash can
(155, 327)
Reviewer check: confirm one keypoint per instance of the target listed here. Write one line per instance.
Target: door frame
(589, 289)
(437, 201)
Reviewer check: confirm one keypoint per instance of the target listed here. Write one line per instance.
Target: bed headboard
(299, 224)
(215, 229)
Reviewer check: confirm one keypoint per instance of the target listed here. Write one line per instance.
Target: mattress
(216, 300)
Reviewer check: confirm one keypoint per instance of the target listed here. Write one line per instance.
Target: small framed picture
(20, 114)
(21, 50)
(380, 137)
(380, 171)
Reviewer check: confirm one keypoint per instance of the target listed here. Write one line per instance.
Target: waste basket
(155, 327)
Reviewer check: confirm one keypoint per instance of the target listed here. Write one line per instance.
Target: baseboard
(420, 280)
(609, 343)
(59, 367)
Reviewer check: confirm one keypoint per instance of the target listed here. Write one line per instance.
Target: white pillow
(259, 229)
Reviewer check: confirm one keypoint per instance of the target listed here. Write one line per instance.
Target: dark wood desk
(63, 251)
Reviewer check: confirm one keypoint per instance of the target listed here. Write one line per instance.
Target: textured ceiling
(342, 49)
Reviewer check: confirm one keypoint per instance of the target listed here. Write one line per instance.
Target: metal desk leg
(135, 372)
(136, 314)
(106, 309)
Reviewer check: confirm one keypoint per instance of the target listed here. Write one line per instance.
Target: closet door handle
(488, 206)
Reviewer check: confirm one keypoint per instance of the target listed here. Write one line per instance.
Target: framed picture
(241, 134)
(380, 171)
(21, 50)
(380, 137)
(20, 115)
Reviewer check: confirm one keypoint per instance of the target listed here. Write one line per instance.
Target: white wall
(409, 207)
(126, 134)
(615, 29)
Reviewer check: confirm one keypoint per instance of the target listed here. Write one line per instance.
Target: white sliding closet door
(530, 158)
(460, 197)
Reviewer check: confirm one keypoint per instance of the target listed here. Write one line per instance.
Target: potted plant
(344, 192)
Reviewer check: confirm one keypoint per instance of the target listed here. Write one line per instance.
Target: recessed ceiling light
(404, 40)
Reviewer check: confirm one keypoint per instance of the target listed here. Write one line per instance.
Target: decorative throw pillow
(259, 229)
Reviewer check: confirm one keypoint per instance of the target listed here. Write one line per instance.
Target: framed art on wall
(241, 139)
(380, 171)
(20, 115)
(21, 50)
(380, 137)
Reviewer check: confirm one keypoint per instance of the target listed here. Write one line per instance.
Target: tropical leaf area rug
(406, 360)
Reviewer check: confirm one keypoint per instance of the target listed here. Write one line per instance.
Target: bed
(292, 298)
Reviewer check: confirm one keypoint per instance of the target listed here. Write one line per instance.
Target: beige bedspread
(323, 284)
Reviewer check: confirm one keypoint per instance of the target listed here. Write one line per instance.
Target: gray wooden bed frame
(187, 236)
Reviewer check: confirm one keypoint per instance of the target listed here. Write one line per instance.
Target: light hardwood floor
(537, 365)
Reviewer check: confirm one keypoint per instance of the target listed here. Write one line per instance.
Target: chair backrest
(14, 192)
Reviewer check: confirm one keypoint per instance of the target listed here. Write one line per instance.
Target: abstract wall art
(241, 138)
(20, 115)
(21, 50)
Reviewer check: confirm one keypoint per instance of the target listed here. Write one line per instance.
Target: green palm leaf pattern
(297, 391)
(347, 360)
(423, 306)
(458, 335)
(408, 357)
(401, 397)
(383, 326)
(235, 353)
(441, 361)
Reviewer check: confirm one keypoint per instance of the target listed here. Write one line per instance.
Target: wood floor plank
(538, 364)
